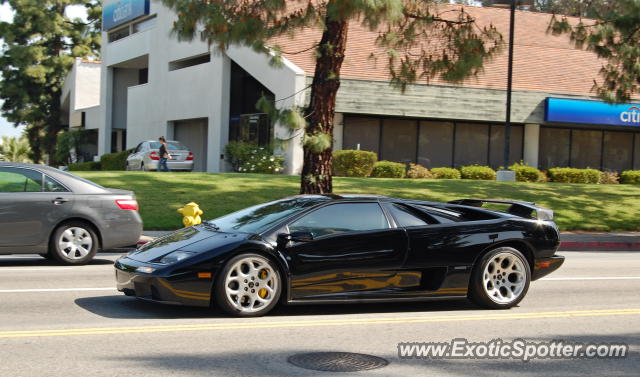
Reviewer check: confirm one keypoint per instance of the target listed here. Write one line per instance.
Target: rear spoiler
(518, 208)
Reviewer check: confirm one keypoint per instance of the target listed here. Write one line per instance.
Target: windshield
(171, 145)
(261, 217)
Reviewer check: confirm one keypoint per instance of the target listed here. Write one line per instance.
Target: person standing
(164, 155)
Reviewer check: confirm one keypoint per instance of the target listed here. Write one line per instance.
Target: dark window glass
(339, 218)
(138, 148)
(586, 149)
(362, 131)
(472, 143)
(189, 62)
(171, 145)
(399, 140)
(20, 180)
(618, 151)
(436, 144)
(51, 185)
(554, 148)
(405, 217)
(143, 76)
(496, 154)
(119, 34)
(636, 153)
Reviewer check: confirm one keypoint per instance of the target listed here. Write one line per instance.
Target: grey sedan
(146, 156)
(61, 216)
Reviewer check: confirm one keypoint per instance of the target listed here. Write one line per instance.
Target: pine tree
(409, 30)
(40, 46)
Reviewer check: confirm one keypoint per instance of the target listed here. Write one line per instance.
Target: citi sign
(123, 10)
(631, 116)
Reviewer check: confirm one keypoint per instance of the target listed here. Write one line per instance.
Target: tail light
(190, 156)
(130, 204)
(154, 156)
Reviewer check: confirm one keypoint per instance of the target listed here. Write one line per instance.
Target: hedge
(630, 176)
(478, 172)
(418, 171)
(388, 169)
(85, 166)
(525, 173)
(445, 173)
(114, 161)
(573, 175)
(353, 163)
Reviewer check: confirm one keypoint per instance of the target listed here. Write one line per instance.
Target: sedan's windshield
(261, 217)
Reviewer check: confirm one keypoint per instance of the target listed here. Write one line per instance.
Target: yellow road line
(262, 324)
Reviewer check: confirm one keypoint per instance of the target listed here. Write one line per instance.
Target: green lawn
(577, 206)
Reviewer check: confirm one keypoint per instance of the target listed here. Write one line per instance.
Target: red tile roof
(542, 61)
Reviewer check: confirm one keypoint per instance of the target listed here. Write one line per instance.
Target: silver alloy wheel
(75, 243)
(251, 284)
(504, 278)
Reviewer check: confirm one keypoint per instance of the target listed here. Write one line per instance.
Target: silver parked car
(146, 156)
(61, 216)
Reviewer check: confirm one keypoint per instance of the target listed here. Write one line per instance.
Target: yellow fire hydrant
(191, 213)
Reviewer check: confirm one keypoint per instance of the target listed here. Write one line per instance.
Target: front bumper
(184, 288)
(544, 266)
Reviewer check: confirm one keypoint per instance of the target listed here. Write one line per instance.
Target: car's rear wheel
(249, 285)
(500, 279)
(73, 243)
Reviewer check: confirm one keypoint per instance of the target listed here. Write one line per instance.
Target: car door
(31, 204)
(354, 250)
(135, 158)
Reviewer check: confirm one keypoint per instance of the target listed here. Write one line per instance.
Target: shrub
(418, 171)
(388, 169)
(478, 172)
(573, 175)
(114, 161)
(609, 178)
(630, 177)
(85, 166)
(352, 163)
(238, 152)
(525, 173)
(250, 158)
(445, 173)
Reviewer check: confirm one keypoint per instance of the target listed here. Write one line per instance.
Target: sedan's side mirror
(300, 236)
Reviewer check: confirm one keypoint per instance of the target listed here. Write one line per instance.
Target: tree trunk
(316, 171)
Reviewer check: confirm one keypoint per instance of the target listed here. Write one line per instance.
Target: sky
(6, 15)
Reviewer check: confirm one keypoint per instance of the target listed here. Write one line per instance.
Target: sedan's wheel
(501, 279)
(73, 243)
(249, 286)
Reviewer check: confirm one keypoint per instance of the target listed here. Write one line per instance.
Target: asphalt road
(70, 321)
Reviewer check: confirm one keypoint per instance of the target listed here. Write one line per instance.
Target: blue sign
(118, 12)
(591, 112)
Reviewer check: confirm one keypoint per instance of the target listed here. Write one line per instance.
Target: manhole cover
(337, 361)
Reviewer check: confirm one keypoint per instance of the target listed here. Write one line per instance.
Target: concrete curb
(599, 246)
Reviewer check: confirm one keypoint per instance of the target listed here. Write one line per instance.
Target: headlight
(175, 257)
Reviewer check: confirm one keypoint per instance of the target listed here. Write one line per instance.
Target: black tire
(221, 299)
(491, 287)
(63, 256)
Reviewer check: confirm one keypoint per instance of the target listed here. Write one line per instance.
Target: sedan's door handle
(58, 201)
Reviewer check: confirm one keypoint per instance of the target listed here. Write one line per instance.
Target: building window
(435, 145)
(399, 140)
(362, 133)
(496, 146)
(554, 147)
(471, 144)
(617, 151)
(636, 151)
(586, 149)
(143, 76)
(189, 62)
(119, 34)
(145, 24)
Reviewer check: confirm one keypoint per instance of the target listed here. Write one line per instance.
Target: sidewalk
(569, 241)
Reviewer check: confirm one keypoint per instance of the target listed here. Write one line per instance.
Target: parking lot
(59, 320)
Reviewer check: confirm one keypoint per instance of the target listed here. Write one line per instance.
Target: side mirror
(301, 236)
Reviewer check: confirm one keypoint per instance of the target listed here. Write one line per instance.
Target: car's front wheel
(249, 285)
(500, 279)
(73, 243)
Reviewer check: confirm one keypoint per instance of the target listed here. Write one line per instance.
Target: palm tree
(15, 149)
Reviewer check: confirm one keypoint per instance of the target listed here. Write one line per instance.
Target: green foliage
(418, 171)
(39, 47)
(85, 166)
(525, 173)
(318, 142)
(388, 169)
(445, 173)
(68, 140)
(609, 178)
(478, 172)
(15, 149)
(114, 161)
(353, 163)
(250, 158)
(573, 175)
(630, 177)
